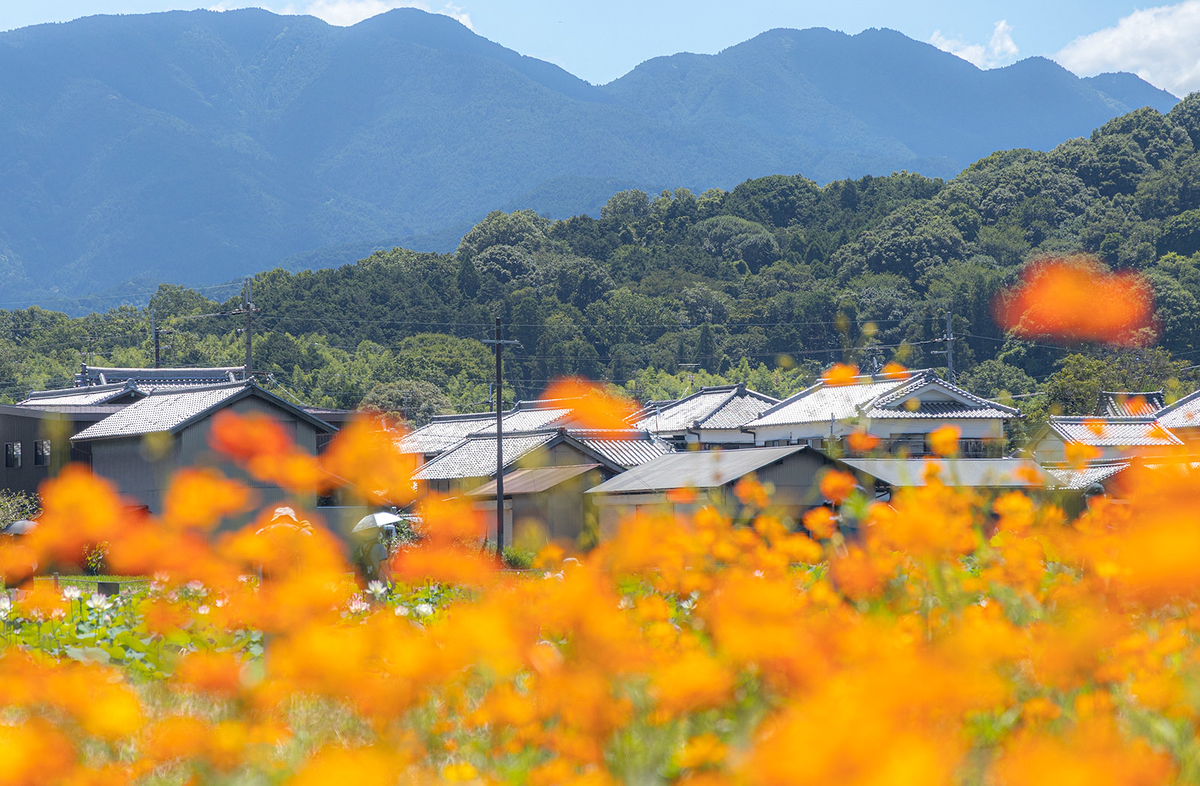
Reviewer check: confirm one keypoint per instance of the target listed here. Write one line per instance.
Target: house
(443, 432)
(1113, 438)
(711, 417)
(901, 410)
(551, 501)
(141, 445)
(1124, 404)
(1182, 418)
(36, 432)
(884, 475)
(649, 489)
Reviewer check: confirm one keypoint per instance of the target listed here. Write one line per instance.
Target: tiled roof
(623, 448)
(100, 375)
(681, 414)
(442, 433)
(880, 398)
(160, 412)
(1079, 479)
(1184, 413)
(1113, 432)
(1122, 404)
(475, 457)
(820, 403)
(98, 394)
(529, 419)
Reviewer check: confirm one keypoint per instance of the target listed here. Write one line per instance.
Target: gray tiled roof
(1184, 413)
(820, 402)
(940, 410)
(1122, 404)
(1113, 432)
(475, 457)
(624, 448)
(442, 433)
(103, 375)
(98, 394)
(160, 412)
(726, 406)
(1079, 479)
(529, 419)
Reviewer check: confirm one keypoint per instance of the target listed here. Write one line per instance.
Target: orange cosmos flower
(216, 673)
(840, 374)
(894, 370)
(751, 493)
(1077, 299)
(593, 406)
(862, 442)
(367, 457)
(242, 437)
(200, 498)
(820, 522)
(1078, 454)
(944, 441)
(837, 486)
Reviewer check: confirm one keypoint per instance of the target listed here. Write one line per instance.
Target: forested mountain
(197, 147)
(766, 283)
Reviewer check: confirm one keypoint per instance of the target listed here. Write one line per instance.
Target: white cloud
(349, 12)
(1161, 45)
(1001, 50)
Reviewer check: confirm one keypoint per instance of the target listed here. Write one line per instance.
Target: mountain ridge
(199, 146)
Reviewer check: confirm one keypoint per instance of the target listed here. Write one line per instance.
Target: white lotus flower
(377, 588)
(424, 609)
(98, 602)
(71, 593)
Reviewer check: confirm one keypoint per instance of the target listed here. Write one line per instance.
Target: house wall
(613, 509)
(140, 468)
(26, 429)
(799, 433)
(724, 437)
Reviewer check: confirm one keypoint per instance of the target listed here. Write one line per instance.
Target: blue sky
(599, 41)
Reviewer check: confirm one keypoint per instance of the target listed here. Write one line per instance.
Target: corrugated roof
(974, 473)
(532, 481)
(695, 469)
(1123, 404)
(1078, 479)
(160, 412)
(1114, 432)
(475, 457)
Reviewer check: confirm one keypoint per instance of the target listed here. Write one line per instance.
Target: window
(41, 453)
(12, 455)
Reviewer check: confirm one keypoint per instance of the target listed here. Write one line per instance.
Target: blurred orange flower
(944, 441)
(862, 441)
(593, 406)
(840, 374)
(837, 486)
(1077, 299)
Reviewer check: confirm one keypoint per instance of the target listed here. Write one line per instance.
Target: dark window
(12, 455)
(41, 453)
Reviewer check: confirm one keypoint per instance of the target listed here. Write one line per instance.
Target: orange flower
(1077, 299)
(840, 374)
(216, 673)
(862, 442)
(1078, 454)
(894, 370)
(837, 486)
(592, 406)
(242, 437)
(1095, 425)
(368, 458)
(944, 441)
(751, 493)
(820, 522)
(202, 497)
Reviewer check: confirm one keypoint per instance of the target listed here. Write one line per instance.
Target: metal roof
(879, 399)
(1078, 479)
(1123, 404)
(532, 481)
(1113, 432)
(173, 409)
(475, 457)
(964, 472)
(89, 376)
(695, 469)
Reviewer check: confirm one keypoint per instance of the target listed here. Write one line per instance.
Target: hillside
(764, 284)
(196, 147)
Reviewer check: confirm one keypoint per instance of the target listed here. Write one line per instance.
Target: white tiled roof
(1117, 404)
(623, 448)
(98, 394)
(475, 457)
(880, 399)
(160, 412)
(530, 419)
(1184, 413)
(1079, 479)
(442, 433)
(1113, 432)
(724, 407)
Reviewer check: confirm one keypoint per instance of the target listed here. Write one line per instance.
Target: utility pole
(248, 309)
(499, 343)
(154, 337)
(950, 346)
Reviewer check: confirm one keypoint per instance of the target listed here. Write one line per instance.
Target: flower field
(954, 639)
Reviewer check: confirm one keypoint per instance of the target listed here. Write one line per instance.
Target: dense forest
(765, 284)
